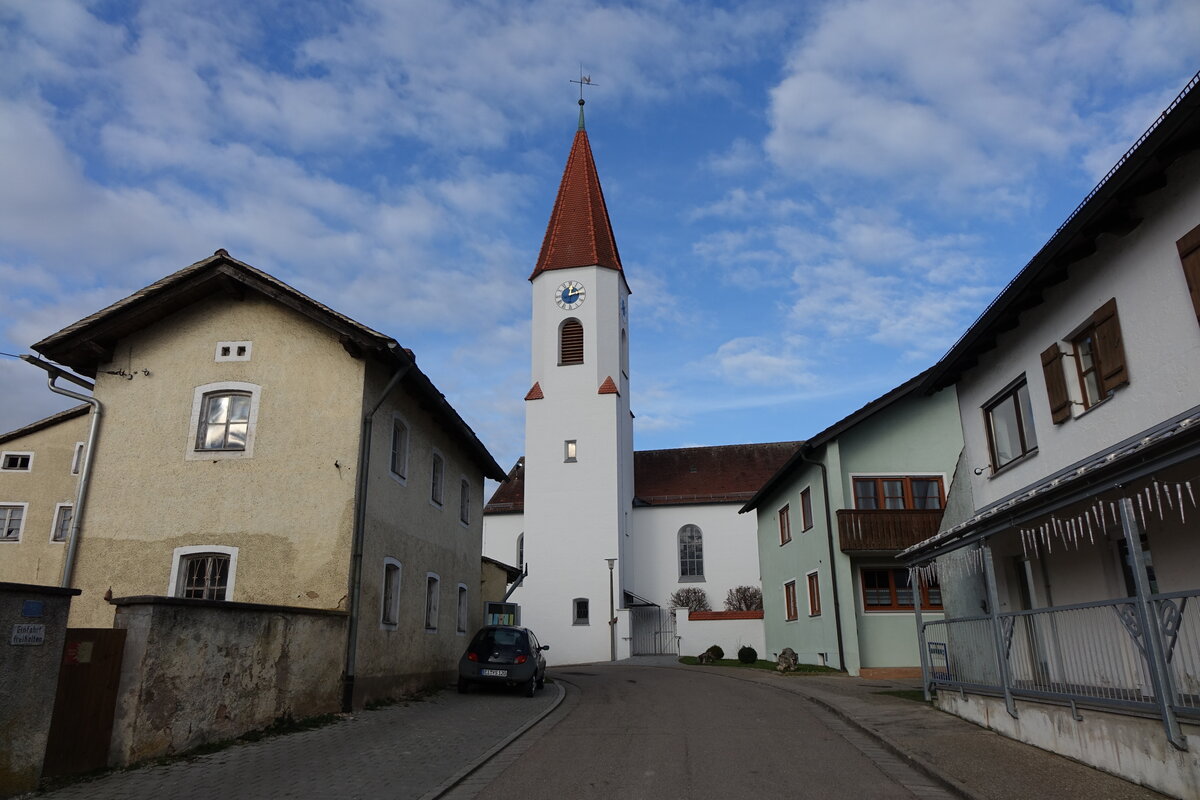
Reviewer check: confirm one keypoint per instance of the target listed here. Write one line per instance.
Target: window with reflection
(691, 553)
(224, 421)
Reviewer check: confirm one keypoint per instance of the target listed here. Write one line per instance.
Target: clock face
(569, 295)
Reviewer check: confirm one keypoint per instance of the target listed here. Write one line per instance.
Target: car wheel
(463, 686)
(541, 682)
(530, 686)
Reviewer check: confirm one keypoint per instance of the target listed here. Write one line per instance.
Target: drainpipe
(360, 528)
(53, 373)
(837, 603)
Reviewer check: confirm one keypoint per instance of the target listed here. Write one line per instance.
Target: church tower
(578, 426)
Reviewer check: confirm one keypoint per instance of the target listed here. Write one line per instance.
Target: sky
(812, 200)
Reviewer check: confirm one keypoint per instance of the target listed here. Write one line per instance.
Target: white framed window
(389, 594)
(234, 351)
(12, 521)
(432, 590)
(204, 572)
(77, 459)
(16, 461)
(437, 479)
(398, 463)
(789, 601)
(224, 420)
(580, 611)
(463, 612)
(464, 501)
(814, 593)
(570, 451)
(691, 553)
(61, 529)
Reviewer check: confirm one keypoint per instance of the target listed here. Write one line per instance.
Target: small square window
(570, 451)
(579, 608)
(204, 576)
(12, 519)
(234, 351)
(16, 462)
(62, 523)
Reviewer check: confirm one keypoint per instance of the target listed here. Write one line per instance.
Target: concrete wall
(1132, 747)
(30, 656)
(287, 506)
(204, 671)
(697, 635)
(1158, 325)
(34, 558)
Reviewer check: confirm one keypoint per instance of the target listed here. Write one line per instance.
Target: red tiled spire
(579, 233)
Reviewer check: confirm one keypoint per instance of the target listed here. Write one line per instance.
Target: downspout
(360, 528)
(837, 603)
(53, 373)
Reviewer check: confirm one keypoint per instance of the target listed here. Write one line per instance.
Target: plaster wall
(287, 508)
(500, 532)
(405, 524)
(1134, 748)
(204, 671)
(729, 546)
(30, 680)
(696, 636)
(34, 558)
(576, 512)
(1161, 340)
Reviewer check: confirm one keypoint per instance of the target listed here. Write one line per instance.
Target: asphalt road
(641, 732)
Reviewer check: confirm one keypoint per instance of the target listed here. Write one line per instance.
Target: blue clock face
(569, 295)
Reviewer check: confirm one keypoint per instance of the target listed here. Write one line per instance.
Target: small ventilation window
(570, 349)
(234, 351)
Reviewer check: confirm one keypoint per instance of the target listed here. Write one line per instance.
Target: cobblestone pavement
(408, 750)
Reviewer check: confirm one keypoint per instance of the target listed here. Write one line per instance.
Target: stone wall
(199, 671)
(33, 623)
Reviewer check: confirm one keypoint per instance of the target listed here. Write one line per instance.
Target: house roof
(511, 573)
(579, 233)
(829, 434)
(47, 422)
(684, 476)
(1108, 209)
(86, 344)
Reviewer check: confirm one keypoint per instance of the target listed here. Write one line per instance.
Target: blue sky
(812, 200)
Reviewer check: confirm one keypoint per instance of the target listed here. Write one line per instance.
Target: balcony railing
(886, 530)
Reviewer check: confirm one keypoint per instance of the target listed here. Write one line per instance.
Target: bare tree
(744, 598)
(692, 598)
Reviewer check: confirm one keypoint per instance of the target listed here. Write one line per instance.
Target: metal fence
(1094, 653)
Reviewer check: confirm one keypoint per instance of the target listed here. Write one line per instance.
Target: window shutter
(1056, 384)
(1110, 347)
(571, 345)
(1189, 254)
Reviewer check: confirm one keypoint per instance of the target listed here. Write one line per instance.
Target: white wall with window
(12, 521)
(203, 572)
(389, 594)
(398, 451)
(437, 479)
(432, 599)
(61, 529)
(16, 461)
(224, 421)
(464, 610)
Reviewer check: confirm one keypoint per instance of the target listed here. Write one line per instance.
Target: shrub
(716, 652)
(747, 654)
(744, 598)
(692, 598)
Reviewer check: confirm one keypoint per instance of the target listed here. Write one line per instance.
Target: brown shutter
(571, 344)
(1189, 254)
(1110, 348)
(1056, 384)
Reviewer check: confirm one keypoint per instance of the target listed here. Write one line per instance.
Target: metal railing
(1093, 653)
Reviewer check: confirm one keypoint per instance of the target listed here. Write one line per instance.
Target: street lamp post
(612, 613)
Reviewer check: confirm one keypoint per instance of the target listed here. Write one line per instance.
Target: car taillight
(522, 659)
(472, 657)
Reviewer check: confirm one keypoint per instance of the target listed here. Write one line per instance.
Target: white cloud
(760, 361)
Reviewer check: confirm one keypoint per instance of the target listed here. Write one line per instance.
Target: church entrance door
(653, 631)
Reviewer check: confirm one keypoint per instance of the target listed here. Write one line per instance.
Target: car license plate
(494, 673)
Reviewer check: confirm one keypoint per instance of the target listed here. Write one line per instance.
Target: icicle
(1112, 506)
(1102, 518)
(1149, 502)
(1179, 489)
(1141, 510)
(1091, 535)
(1167, 494)
(1158, 498)
(1191, 494)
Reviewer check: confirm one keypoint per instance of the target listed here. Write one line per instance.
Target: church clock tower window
(570, 342)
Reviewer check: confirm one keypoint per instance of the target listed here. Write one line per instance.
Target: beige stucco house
(256, 446)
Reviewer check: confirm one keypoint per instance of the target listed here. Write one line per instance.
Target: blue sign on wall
(33, 608)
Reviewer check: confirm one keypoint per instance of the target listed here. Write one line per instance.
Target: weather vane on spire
(584, 80)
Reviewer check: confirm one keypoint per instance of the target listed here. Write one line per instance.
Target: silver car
(503, 655)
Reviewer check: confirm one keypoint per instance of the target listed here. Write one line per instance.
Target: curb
(463, 773)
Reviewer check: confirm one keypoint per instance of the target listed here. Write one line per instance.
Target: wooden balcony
(885, 531)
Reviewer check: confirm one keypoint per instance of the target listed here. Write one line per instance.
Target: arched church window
(570, 342)
(691, 553)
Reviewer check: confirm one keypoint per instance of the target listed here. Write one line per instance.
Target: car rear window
(499, 639)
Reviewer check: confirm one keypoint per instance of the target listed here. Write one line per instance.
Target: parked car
(502, 655)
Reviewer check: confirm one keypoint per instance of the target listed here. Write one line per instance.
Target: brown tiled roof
(535, 392)
(579, 233)
(42, 424)
(685, 476)
(608, 387)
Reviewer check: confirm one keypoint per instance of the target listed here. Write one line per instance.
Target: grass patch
(907, 694)
(762, 663)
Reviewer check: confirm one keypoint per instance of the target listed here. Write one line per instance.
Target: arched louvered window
(570, 342)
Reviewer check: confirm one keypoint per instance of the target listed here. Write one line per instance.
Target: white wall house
(1068, 555)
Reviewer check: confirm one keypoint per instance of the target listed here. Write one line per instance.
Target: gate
(81, 725)
(653, 631)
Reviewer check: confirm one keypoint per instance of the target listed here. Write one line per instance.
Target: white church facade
(596, 526)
